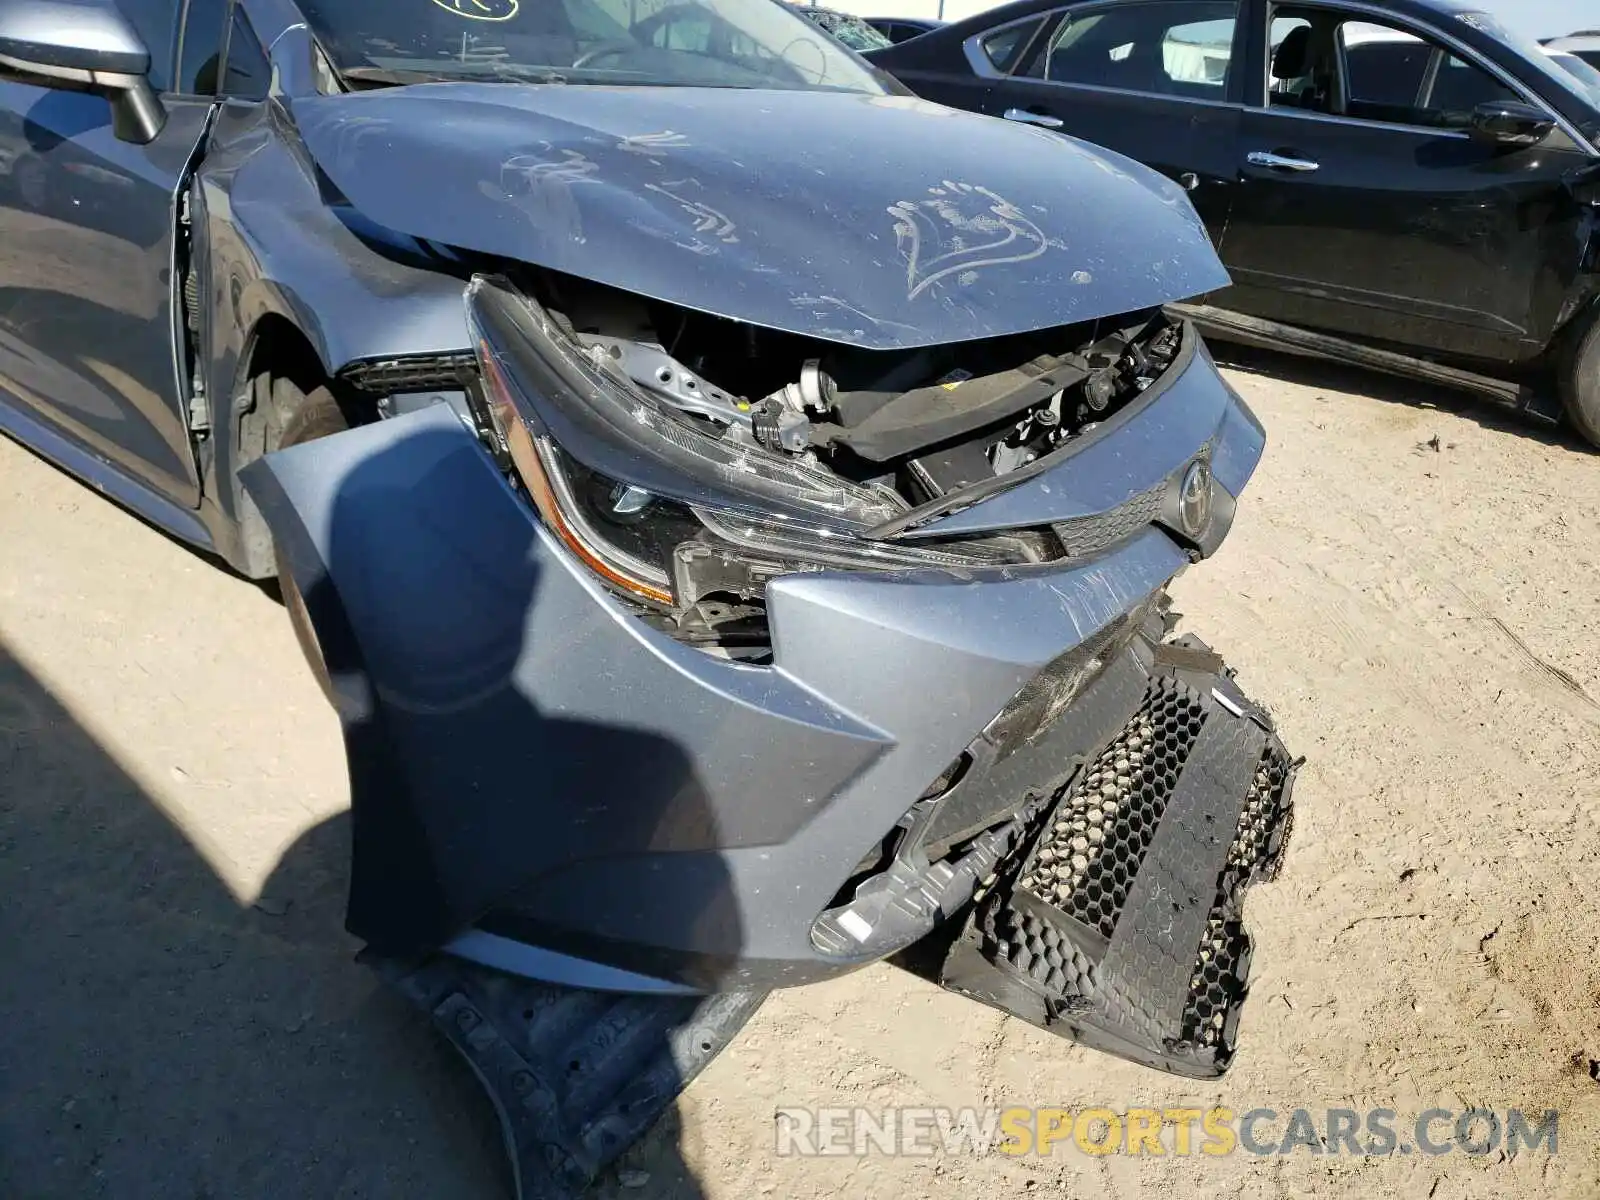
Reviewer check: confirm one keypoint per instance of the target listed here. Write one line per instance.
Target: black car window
(1301, 67)
(248, 75)
(1384, 66)
(701, 43)
(205, 45)
(1458, 88)
(201, 38)
(1373, 71)
(1172, 47)
(1579, 70)
(156, 22)
(1004, 46)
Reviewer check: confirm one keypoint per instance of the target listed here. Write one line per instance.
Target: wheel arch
(275, 345)
(288, 287)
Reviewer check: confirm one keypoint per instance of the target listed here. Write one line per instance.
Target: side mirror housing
(1510, 123)
(83, 46)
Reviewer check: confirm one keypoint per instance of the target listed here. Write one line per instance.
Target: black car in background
(903, 29)
(1403, 184)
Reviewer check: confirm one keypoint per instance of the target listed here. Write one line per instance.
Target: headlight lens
(748, 514)
(604, 421)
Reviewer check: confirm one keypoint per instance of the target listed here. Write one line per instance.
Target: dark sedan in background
(1404, 184)
(903, 29)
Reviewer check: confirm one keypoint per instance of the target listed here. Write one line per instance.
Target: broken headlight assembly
(685, 508)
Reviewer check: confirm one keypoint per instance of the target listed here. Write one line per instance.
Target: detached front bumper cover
(1120, 924)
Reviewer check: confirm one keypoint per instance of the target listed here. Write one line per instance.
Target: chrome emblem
(1194, 498)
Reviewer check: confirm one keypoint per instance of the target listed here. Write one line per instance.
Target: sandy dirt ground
(1411, 585)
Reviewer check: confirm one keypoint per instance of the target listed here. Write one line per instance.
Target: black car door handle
(1044, 120)
(1280, 162)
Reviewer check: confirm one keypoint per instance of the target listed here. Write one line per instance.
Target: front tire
(1580, 380)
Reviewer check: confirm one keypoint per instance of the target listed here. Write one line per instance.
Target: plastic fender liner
(575, 1076)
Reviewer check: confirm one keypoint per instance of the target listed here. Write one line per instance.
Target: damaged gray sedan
(729, 502)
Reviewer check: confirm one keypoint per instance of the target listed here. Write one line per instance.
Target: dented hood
(883, 221)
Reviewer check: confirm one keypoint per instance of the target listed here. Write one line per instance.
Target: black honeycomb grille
(1222, 968)
(1121, 927)
(414, 373)
(1086, 861)
(1036, 947)
(1266, 822)
(1218, 983)
(1085, 536)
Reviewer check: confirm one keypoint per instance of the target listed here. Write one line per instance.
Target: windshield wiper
(388, 77)
(487, 72)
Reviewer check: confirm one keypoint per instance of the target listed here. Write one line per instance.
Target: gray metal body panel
(841, 226)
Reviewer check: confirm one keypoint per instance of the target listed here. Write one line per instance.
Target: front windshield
(1541, 61)
(695, 43)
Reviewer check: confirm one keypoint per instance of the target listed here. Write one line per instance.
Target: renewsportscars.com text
(1179, 1132)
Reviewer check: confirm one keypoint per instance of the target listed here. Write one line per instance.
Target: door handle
(1043, 120)
(1279, 162)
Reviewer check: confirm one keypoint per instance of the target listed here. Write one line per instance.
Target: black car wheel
(1580, 380)
(305, 418)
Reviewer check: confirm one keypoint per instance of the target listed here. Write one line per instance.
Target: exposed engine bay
(921, 422)
(911, 434)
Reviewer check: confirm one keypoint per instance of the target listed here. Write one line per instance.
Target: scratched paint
(960, 229)
(480, 10)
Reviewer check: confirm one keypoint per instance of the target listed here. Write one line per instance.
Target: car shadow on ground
(1337, 377)
(161, 1036)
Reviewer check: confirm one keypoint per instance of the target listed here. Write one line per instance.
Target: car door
(1366, 209)
(87, 300)
(1151, 79)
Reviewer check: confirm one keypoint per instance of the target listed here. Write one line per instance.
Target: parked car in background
(849, 29)
(1585, 44)
(1404, 184)
(1574, 64)
(903, 29)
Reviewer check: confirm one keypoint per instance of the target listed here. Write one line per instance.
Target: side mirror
(1510, 123)
(82, 46)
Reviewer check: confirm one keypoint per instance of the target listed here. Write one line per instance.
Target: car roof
(1575, 41)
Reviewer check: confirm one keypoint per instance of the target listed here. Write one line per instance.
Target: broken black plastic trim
(973, 493)
(1120, 924)
(575, 1076)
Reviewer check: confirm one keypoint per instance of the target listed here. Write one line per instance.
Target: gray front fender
(480, 677)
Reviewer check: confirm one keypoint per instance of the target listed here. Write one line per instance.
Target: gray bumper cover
(542, 781)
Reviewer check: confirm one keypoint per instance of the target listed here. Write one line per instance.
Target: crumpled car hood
(882, 221)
